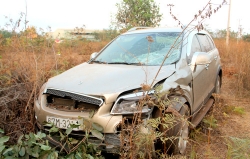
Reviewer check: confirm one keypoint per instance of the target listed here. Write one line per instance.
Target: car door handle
(206, 66)
(215, 57)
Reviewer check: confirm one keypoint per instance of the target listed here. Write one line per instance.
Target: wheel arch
(178, 102)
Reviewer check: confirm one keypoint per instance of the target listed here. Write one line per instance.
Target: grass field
(25, 64)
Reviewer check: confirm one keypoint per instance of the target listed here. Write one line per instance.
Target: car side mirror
(200, 58)
(93, 55)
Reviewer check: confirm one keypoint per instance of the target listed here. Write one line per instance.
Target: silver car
(106, 84)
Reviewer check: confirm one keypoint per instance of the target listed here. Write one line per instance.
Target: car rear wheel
(217, 85)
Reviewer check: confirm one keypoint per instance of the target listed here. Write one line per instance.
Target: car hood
(104, 79)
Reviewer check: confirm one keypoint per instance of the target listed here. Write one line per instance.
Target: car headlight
(39, 99)
(128, 104)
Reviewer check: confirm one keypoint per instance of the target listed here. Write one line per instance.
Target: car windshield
(142, 49)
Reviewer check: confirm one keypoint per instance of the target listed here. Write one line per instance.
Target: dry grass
(25, 64)
(236, 63)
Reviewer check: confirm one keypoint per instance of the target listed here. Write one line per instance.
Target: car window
(211, 42)
(205, 45)
(143, 48)
(195, 47)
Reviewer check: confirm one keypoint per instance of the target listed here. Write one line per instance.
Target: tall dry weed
(236, 63)
(25, 64)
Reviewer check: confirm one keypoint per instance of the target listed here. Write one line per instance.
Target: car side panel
(200, 86)
(213, 67)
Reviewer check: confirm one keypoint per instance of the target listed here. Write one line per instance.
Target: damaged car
(110, 83)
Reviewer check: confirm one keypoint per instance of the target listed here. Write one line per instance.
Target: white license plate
(63, 123)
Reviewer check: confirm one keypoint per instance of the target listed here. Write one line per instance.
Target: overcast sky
(96, 14)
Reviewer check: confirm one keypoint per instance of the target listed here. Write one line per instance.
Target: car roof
(161, 29)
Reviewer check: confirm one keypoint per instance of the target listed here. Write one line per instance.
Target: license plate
(63, 123)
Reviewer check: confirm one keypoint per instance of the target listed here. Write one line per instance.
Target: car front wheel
(181, 132)
(177, 136)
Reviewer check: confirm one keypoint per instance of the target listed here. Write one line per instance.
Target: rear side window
(205, 44)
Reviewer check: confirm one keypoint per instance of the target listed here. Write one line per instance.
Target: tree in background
(133, 13)
(223, 33)
(106, 34)
(4, 36)
(5, 33)
(246, 37)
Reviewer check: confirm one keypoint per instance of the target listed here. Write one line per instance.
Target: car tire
(178, 134)
(217, 85)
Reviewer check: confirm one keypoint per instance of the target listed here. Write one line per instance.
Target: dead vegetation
(25, 67)
(26, 63)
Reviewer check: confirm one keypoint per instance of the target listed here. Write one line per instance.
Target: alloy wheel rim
(183, 139)
(218, 85)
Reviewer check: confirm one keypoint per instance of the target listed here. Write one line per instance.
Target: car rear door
(215, 61)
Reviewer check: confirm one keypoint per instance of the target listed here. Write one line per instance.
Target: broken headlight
(129, 104)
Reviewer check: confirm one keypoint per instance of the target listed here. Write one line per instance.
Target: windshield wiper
(101, 62)
(126, 63)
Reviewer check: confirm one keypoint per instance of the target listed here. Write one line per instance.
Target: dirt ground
(236, 125)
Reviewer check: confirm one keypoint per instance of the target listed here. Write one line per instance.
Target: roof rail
(138, 28)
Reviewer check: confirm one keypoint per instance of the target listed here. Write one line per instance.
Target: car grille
(77, 97)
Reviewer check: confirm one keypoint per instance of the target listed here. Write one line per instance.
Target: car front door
(200, 75)
(206, 46)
